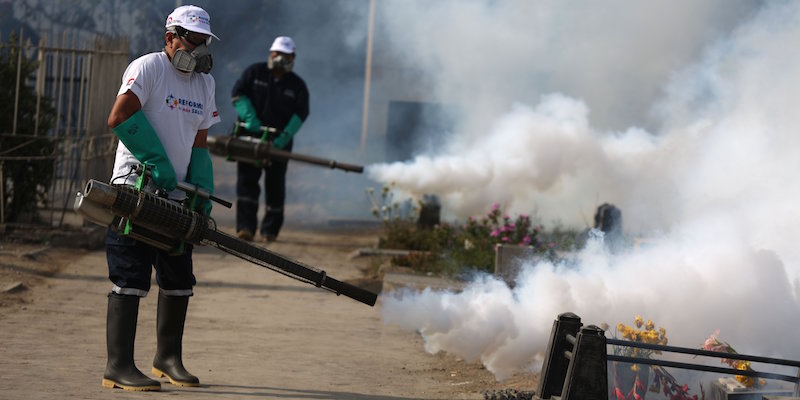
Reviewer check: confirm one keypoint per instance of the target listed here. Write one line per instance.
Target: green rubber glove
(141, 139)
(247, 113)
(201, 173)
(288, 132)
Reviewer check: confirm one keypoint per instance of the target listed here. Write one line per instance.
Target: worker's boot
(123, 311)
(245, 235)
(169, 327)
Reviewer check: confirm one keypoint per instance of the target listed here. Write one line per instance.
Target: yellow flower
(746, 380)
(650, 325)
(628, 333)
(635, 367)
(648, 334)
(743, 365)
(650, 337)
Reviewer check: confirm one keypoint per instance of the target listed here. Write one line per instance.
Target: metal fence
(81, 75)
(576, 364)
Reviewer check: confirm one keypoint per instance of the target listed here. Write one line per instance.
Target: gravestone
(509, 259)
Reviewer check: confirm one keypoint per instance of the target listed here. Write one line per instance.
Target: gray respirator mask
(280, 62)
(198, 60)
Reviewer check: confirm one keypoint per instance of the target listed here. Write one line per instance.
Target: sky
(679, 113)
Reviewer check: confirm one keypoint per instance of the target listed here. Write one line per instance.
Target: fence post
(554, 368)
(16, 90)
(587, 376)
(2, 197)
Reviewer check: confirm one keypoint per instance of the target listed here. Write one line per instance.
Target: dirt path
(250, 333)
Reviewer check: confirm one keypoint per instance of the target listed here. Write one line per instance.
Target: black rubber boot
(169, 327)
(121, 372)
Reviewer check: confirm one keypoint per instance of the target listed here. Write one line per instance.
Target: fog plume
(704, 170)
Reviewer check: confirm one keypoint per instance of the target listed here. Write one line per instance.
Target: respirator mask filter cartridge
(280, 62)
(198, 60)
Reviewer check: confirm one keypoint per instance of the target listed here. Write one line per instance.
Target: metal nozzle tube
(100, 193)
(93, 211)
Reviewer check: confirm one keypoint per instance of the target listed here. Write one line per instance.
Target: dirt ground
(250, 332)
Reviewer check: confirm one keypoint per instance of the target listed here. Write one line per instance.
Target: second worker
(267, 94)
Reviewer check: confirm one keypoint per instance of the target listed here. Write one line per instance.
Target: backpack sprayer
(166, 224)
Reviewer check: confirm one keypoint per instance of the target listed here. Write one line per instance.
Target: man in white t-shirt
(161, 116)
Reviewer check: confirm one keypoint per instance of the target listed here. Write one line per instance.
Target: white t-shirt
(177, 105)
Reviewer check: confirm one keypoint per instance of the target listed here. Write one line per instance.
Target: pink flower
(712, 341)
(494, 233)
(504, 238)
(495, 206)
(526, 239)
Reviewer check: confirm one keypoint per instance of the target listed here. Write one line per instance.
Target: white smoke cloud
(712, 182)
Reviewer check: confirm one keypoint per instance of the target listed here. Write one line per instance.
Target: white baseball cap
(191, 18)
(283, 44)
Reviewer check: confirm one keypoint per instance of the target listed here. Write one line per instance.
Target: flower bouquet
(664, 382)
(630, 382)
(714, 344)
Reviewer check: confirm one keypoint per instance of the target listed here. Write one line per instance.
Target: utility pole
(368, 73)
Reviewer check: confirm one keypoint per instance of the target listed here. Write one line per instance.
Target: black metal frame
(706, 368)
(576, 363)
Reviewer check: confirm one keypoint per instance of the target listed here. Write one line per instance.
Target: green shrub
(453, 248)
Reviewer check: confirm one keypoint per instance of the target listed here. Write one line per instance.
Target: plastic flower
(648, 335)
(714, 344)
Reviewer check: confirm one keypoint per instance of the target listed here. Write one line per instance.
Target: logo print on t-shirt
(187, 106)
(172, 102)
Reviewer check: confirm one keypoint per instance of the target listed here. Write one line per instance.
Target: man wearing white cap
(161, 116)
(269, 94)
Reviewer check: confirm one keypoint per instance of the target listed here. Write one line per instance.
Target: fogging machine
(258, 151)
(166, 224)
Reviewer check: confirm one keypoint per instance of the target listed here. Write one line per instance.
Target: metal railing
(706, 368)
(576, 363)
(79, 74)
